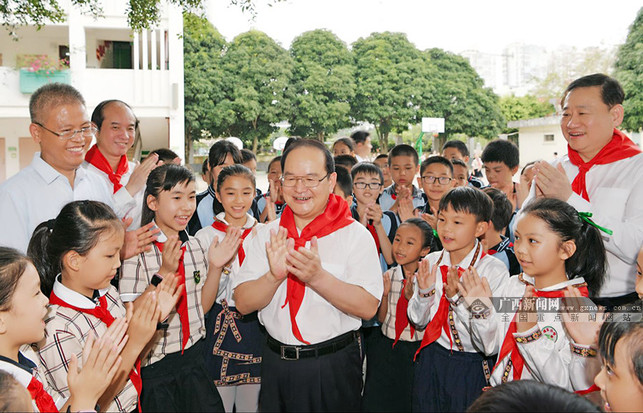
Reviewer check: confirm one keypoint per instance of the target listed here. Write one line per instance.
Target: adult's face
(587, 122)
(116, 134)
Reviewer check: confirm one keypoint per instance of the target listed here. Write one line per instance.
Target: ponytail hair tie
(50, 224)
(585, 216)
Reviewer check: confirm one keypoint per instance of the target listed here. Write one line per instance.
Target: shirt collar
(74, 298)
(464, 264)
(574, 281)
(250, 220)
(22, 371)
(183, 236)
(48, 173)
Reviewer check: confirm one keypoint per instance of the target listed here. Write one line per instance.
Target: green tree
(392, 80)
(629, 72)
(523, 107)
(203, 46)
(323, 84)
(257, 74)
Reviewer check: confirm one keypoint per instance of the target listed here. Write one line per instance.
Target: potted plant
(38, 70)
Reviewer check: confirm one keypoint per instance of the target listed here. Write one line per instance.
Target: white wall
(533, 146)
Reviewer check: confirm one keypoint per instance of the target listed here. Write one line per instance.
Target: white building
(106, 61)
(539, 139)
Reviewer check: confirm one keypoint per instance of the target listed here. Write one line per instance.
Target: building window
(549, 138)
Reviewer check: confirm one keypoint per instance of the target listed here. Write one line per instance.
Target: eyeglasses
(363, 185)
(86, 132)
(442, 180)
(308, 182)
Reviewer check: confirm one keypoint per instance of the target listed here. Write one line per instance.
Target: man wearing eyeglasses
(61, 126)
(313, 275)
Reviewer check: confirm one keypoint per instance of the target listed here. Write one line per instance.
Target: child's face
(458, 230)
(174, 208)
(639, 274)
(454, 153)
(215, 170)
(460, 175)
(24, 320)
(236, 195)
(341, 149)
(367, 195)
(274, 171)
(98, 267)
(403, 169)
(348, 198)
(498, 174)
(538, 248)
(434, 190)
(620, 388)
(407, 244)
(386, 172)
(252, 165)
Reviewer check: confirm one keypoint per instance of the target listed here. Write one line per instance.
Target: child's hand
(430, 219)
(143, 319)
(581, 324)
(426, 277)
(527, 316)
(171, 256)
(386, 279)
(403, 192)
(374, 213)
(101, 361)
(270, 210)
(220, 253)
(473, 287)
(168, 292)
(405, 208)
(138, 240)
(276, 250)
(409, 286)
(117, 333)
(451, 286)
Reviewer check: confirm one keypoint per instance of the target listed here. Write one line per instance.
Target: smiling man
(61, 126)
(602, 173)
(313, 274)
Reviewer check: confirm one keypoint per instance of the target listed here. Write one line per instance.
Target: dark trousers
(328, 383)
(179, 383)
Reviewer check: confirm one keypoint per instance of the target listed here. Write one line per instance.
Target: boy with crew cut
(436, 179)
(455, 149)
(500, 161)
(403, 162)
(344, 186)
(451, 370)
(460, 172)
(495, 243)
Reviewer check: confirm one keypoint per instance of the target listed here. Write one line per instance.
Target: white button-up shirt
(38, 193)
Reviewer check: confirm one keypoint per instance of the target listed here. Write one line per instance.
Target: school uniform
(542, 353)
(173, 372)
(451, 368)
(389, 195)
(36, 194)
(390, 224)
(504, 251)
(389, 376)
(26, 373)
(66, 331)
(233, 342)
(312, 360)
(207, 206)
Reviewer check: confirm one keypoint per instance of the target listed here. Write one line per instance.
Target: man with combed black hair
(363, 145)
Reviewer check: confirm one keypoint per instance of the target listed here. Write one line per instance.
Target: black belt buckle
(285, 356)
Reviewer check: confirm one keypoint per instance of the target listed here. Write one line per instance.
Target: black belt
(288, 352)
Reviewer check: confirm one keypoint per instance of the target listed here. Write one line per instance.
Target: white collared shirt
(615, 199)
(206, 236)
(37, 194)
(348, 254)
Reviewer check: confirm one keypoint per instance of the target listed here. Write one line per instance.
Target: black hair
(52, 95)
(247, 155)
(502, 208)
(461, 163)
(360, 136)
(530, 396)
(329, 163)
(347, 161)
(290, 141)
(163, 178)
(78, 227)
(612, 332)
(98, 115)
(273, 160)
(344, 180)
(166, 155)
(522, 171)
(459, 145)
(436, 159)
(403, 150)
(367, 168)
(611, 91)
(12, 265)
(346, 141)
(468, 200)
(205, 167)
(220, 150)
(235, 170)
(589, 260)
(501, 150)
(428, 237)
(381, 155)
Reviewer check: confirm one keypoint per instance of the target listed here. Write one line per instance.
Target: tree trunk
(320, 136)
(255, 143)
(383, 142)
(189, 150)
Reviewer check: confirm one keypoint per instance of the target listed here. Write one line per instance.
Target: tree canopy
(629, 73)
(523, 107)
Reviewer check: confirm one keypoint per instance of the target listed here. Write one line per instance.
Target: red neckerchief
(401, 317)
(373, 231)
(182, 303)
(509, 345)
(222, 226)
(439, 321)
(336, 215)
(38, 394)
(618, 148)
(96, 158)
(102, 313)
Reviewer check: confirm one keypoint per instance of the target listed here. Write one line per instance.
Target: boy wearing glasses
(61, 126)
(436, 179)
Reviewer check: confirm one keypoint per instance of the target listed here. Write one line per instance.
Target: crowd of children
(477, 288)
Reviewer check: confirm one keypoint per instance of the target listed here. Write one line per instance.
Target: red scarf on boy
(336, 215)
(618, 148)
(96, 158)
